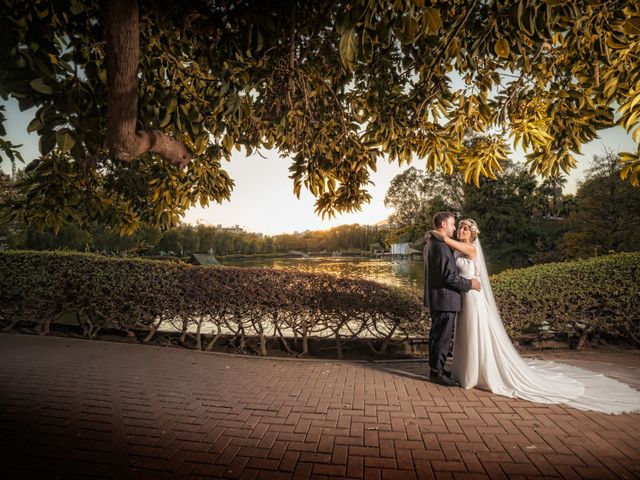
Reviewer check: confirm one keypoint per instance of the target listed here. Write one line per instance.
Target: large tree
(607, 212)
(414, 195)
(127, 93)
(503, 207)
(550, 197)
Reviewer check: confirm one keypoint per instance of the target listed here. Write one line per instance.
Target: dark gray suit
(442, 287)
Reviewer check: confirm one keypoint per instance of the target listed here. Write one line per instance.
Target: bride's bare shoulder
(471, 253)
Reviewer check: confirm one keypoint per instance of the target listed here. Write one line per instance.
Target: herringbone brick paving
(80, 409)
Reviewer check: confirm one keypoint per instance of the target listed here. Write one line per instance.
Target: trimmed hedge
(581, 300)
(202, 303)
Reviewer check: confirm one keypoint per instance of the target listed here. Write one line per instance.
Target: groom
(442, 287)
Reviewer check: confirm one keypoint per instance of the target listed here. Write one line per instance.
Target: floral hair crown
(473, 226)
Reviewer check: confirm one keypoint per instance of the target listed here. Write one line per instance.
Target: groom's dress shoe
(442, 380)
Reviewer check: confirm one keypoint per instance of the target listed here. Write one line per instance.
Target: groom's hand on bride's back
(475, 284)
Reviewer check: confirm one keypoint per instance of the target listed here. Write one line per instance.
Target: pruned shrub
(582, 300)
(142, 297)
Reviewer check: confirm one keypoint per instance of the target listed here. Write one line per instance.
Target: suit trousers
(439, 339)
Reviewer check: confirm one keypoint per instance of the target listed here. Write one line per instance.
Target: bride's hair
(473, 227)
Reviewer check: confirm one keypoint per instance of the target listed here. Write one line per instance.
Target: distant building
(298, 254)
(402, 249)
(203, 259)
(236, 229)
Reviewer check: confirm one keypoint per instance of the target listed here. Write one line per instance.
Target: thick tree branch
(122, 36)
(167, 147)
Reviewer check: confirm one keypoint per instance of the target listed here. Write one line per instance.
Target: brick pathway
(80, 409)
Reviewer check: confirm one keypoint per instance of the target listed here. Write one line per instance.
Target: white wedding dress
(484, 357)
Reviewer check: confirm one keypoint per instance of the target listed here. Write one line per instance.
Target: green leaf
(366, 47)
(260, 41)
(502, 48)
(173, 104)
(348, 46)
(165, 120)
(632, 26)
(410, 28)
(39, 86)
(631, 168)
(35, 125)
(65, 140)
(433, 19)
(47, 142)
(76, 8)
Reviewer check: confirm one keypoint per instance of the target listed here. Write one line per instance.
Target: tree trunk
(387, 339)
(284, 341)
(583, 342)
(305, 342)
(152, 331)
(199, 336)
(183, 333)
(263, 345)
(122, 49)
(88, 328)
(11, 324)
(263, 338)
(213, 341)
(338, 347)
(43, 328)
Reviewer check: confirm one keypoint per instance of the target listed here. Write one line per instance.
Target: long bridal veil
(507, 373)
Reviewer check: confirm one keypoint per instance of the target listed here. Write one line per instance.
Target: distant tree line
(522, 220)
(183, 240)
(341, 238)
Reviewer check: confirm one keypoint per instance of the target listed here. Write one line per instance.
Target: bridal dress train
(484, 357)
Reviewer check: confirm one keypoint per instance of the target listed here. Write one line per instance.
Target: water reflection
(399, 273)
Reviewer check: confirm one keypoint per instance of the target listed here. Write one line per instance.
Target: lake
(399, 273)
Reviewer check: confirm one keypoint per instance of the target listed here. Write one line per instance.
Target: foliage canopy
(508, 209)
(607, 214)
(334, 85)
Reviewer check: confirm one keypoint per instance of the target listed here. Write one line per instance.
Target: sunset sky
(263, 200)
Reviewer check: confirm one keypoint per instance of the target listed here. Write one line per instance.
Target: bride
(484, 356)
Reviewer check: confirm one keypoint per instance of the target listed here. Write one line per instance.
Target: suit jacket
(442, 284)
